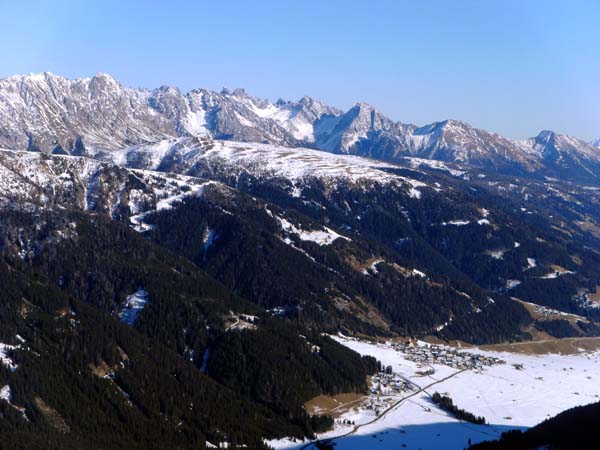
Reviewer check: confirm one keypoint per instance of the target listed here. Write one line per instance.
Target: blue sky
(514, 67)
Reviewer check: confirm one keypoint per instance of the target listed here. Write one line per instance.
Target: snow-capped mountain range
(218, 227)
(50, 113)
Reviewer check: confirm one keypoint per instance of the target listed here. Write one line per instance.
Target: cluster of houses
(378, 404)
(388, 383)
(437, 354)
(386, 387)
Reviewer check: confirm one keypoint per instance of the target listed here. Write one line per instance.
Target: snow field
(516, 395)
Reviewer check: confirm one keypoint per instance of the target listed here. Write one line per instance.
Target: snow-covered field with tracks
(518, 394)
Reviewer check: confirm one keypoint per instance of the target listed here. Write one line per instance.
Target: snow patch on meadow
(5, 359)
(326, 236)
(133, 306)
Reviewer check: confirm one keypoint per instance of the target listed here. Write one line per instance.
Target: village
(385, 389)
(436, 354)
(388, 387)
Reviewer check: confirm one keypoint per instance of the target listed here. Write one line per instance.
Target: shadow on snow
(432, 436)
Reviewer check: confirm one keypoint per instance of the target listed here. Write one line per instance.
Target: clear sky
(514, 67)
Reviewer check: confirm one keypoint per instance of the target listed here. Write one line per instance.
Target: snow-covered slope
(55, 114)
(231, 160)
(49, 112)
(365, 131)
(523, 392)
(133, 306)
(566, 154)
(30, 179)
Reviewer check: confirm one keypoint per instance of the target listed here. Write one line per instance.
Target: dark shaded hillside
(500, 234)
(411, 251)
(287, 373)
(240, 285)
(333, 286)
(78, 357)
(148, 403)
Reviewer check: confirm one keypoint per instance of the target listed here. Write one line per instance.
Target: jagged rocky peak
(35, 78)
(104, 80)
(171, 103)
(39, 112)
(456, 140)
(545, 137)
(444, 126)
(566, 156)
(353, 127)
(239, 92)
(365, 116)
(307, 103)
(49, 113)
(548, 140)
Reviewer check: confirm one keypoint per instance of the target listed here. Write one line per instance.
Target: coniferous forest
(190, 266)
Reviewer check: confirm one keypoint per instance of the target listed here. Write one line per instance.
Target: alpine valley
(191, 270)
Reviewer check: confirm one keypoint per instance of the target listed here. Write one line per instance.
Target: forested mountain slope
(333, 242)
(172, 263)
(69, 351)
